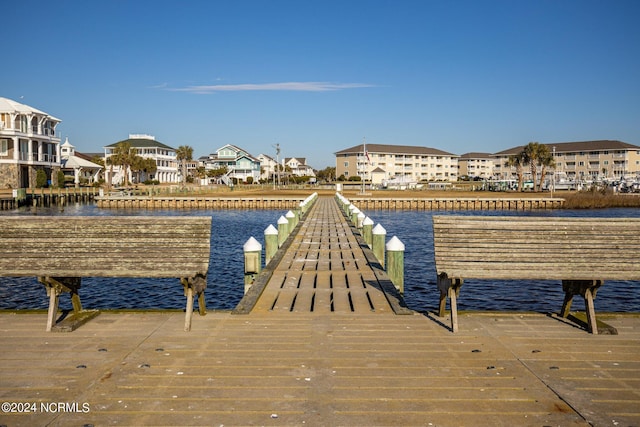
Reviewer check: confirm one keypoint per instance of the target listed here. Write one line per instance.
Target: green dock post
(367, 227)
(359, 220)
(270, 243)
(252, 261)
(283, 230)
(291, 218)
(378, 242)
(395, 262)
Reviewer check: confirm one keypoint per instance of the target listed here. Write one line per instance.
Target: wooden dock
(326, 268)
(314, 363)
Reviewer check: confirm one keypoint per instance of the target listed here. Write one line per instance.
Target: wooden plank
(104, 246)
(341, 298)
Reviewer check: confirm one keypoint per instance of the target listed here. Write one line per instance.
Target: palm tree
(546, 161)
(184, 154)
(535, 154)
(123, 155)
(532, 153)
(517, 160)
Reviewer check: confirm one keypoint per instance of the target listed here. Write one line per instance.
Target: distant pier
(368, 203)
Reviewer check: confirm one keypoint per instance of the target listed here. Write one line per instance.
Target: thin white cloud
(288, 86)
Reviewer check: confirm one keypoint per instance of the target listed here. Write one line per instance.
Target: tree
(184, 154)
(536, 154)
(145, 165)
(123, 155)
(41, 178)
(517, 160)
(546, 161)
(60, 178)
(327, 174)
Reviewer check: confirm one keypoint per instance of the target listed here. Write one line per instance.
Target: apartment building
(403, 164)
(476, 165)
(28, 143)
(584, 160)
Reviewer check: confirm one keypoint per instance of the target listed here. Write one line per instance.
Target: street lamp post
(553, 181)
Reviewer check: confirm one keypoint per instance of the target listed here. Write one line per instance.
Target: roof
(301, 160)
(10, 106)
(142, 143)
(565, 147)
(476, 156)
(395, 149)
(78, 162)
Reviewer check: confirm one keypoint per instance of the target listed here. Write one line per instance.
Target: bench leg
(454, 309)
(53, 307)
(55, 286)
(449, 288)
(591, 312)
(189, 309)
(586, 288)
(202, 305)
(196, 284)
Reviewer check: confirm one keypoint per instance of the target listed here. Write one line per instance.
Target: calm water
(231, 228)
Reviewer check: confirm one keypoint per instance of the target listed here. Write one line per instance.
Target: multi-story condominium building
(239, 163)
(586, 160)
(476, 165)
(28, 143)
(380, 163)
(146, 146)
(298, 166)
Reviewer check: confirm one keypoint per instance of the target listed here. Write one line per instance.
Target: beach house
(28, 143)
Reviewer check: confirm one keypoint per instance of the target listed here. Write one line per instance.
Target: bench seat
(581, 252)
(60, 250)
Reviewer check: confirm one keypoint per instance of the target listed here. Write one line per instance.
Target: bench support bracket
(449, 287)
(587, 289)
(197, 284)
(55, 286)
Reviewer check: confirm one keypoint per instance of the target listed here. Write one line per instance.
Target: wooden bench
(581, 252)
(60, 250)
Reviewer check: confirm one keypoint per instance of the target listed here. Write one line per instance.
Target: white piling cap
(394, 244)
(283, 220)
(367, 221)
(361, 215)
(290, 214)
(378, 229)
(252, 245)
(270, 230)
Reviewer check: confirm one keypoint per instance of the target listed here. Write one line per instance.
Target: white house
(28, 143)
(146, 146)
(75, 165)
(267, 166)
(298, 166)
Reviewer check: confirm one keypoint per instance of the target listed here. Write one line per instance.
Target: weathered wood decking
(320, 368)
(327, 269)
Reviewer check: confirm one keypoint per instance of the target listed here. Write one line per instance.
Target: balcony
(33, 157)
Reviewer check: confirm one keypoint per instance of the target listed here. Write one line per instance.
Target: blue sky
(317, 77)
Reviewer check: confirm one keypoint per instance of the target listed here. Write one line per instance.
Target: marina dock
(321, 339)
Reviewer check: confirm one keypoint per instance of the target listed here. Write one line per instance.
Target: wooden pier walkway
(326, 270)
(314, 363)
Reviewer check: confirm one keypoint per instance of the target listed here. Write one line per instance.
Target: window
(346, 164)
(4, 147)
